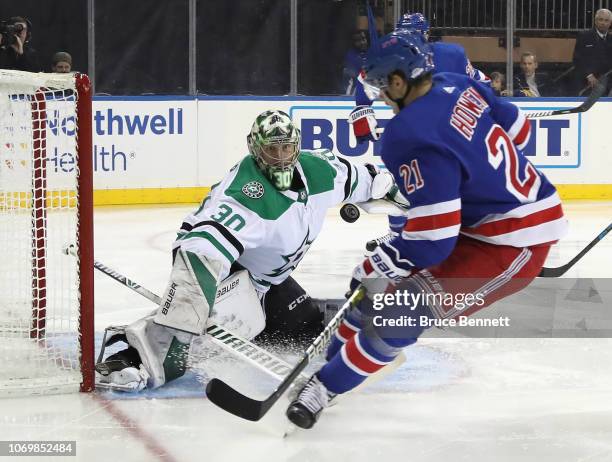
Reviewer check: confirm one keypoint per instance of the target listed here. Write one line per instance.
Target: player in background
(447, 57)
(482, 218)
(261, 218)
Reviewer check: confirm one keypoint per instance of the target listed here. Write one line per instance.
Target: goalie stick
(598, 91)
(257, 356)
(234, 402)
(561, 270)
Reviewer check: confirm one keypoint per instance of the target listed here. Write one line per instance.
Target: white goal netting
(39, 216)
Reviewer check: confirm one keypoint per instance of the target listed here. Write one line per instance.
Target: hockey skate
(118, 375)
(371, 245)
(123, 370)
(304, 411)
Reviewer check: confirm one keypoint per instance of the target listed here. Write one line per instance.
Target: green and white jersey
(246, 219)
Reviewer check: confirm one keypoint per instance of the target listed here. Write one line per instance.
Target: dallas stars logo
(253, 189)
(293, 259)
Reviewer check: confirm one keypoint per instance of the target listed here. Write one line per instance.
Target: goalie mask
(274, 143)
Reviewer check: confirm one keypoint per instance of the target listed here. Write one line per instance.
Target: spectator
(19, 55)
(62, 62)
(528, 82)
(353, 61)
(498, 82)
(593, 52)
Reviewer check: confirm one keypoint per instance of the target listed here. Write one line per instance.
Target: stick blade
(234, 402)
(561, 270)
(598, 91)
(553, 272)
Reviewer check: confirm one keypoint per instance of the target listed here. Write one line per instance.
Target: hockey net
(46, 297)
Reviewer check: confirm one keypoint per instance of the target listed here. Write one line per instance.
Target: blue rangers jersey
(447, 57)
(463, 170)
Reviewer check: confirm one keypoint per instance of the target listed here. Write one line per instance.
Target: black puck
(349, 213)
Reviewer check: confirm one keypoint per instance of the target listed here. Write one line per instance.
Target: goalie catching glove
(383, 183)
(365, 125)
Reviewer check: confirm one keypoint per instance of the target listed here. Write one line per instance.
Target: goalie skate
(121, 371)
(118, 375)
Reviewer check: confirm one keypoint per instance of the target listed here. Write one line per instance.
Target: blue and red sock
(350, 326)
(352, 364)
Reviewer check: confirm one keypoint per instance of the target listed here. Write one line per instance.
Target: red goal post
(46, 203)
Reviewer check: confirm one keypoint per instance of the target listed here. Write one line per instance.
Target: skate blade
(116, 387)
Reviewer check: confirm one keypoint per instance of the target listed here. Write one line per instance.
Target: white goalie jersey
(245, 219)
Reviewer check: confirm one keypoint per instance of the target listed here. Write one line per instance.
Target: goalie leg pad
(190, 294)
(163, 351)
(238, 306)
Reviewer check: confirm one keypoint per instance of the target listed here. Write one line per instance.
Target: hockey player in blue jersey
(481, 222)
(447, 57)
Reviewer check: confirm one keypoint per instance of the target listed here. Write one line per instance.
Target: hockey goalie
(256, 225)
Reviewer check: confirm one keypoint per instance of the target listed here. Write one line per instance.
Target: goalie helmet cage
(46, 203)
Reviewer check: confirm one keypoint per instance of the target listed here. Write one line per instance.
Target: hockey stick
(598, 92)
(230, 400)
(560, 270)
(224, 338)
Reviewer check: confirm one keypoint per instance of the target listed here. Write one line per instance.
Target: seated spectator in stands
(353, 61)
(593, 52)
(16, 50)
(529, 83)
(498, 82)
(62, 62)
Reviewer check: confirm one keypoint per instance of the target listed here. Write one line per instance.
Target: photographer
(15, 50)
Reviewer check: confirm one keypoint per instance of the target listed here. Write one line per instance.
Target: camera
(9, 32)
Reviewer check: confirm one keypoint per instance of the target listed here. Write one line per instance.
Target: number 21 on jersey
(411, 174)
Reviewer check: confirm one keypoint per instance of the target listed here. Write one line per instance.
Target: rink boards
(171, 149)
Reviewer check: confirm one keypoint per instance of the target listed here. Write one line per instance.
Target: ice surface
(503, 400)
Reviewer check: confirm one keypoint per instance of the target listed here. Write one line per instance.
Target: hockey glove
(395, 196)
(382, 184)
(376, 275)
(365, 126)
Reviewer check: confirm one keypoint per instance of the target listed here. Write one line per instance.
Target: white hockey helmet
(274, 143)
